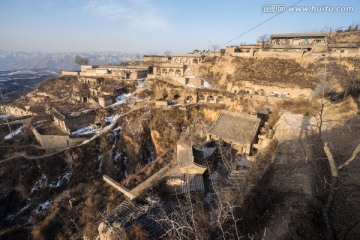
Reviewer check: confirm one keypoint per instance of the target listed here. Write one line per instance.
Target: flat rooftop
(70, 110)
(292, 35)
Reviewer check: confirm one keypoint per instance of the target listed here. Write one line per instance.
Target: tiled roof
(193, 183)
(236, 127)
(142, 213)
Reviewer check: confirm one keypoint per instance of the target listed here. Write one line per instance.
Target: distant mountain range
(59, 61)
(13, 84)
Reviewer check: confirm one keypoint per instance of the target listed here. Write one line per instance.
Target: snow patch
(57, 183)
(206, 84)
(85, 131)
(22, 72)
(43, 206)
(13, 133)
(214, 176)
(3, 116)
(208, 198)
(39, 184)
(117, 156)
(123, 97)
(191, 85)
(112, 119)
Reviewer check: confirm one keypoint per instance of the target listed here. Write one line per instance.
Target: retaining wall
(56, 141)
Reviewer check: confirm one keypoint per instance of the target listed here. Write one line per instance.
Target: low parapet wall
(56, 141)
(152, 180)
(16, 111)
(148, 183)
(69, 73)
(118, 187)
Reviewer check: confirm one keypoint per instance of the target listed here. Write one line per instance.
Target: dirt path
(291, 202)
(24, 155)
(291, 181)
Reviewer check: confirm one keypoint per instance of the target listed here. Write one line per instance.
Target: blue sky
(153, 26)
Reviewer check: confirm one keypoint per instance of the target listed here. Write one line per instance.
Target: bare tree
(138, 56)
(168, 53)
(196, 218)
(263, 39)
(323, 88)
(214, 48)
(334, 170)
(81, 60)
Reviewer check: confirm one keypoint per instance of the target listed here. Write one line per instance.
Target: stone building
(69, 120)
(278, 91)
(128, 72)
(80, 93)
(243, 50)
(156, 59)
(191, 168)
(187, 59)
(105, 100)
(239, 130)
(172, 70)
(16, 110)
(111, 71)
(297, 40)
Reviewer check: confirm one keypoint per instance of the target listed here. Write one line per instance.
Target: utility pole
(7, 121)
(351, 80)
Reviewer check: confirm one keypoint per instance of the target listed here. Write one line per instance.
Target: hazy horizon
(148, 27)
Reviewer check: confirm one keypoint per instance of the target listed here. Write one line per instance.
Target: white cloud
(139, 13)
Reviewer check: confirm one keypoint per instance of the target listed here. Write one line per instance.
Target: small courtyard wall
(56, 141)
(69, 73)
(16, 111)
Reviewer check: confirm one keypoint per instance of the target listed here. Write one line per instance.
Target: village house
(173, 70)
(191, 167)
(105, 100)
(239, 130)
(156, 59)
(69, 120)
(187, 59)
(297, 40)
(278, 91)
(244, 49)
(111, 71)
(80, 93)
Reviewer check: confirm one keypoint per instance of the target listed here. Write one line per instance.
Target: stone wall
(196, 82)
(80, 121)
(163, 172)
(187, 59)
(314, 53)
(16, 111)
(118, 187)
(72, 123)
(69, 73)
(56, 141)
(105, 100)
(248, 87)
(278, 54)
(156, 58)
